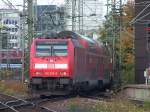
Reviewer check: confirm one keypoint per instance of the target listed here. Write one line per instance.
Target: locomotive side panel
(92, 68)
(80, 65)
(106, 78)
(71, 58)
(107, 68)
(101, 68)
(88, 68)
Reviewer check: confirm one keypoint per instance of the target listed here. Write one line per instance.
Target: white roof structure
(84, 15)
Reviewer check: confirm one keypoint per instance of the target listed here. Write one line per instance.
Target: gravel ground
(72, 105)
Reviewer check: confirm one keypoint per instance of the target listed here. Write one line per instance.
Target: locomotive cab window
(51, 49)
(60, 50)
(43, 49)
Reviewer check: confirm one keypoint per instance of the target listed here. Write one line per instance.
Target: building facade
(49, 18)
(10, 37)
(10, 19)
(142, 39)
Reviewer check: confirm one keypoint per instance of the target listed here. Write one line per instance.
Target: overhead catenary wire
(134, 19)
(9, 4)
(96, 20)
(145, 2)
(44, 10)
(143, 17)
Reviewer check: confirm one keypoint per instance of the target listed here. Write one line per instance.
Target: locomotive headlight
(46, 73)
(61, 66)
(63, 73)
(40, 66)
(37, 73)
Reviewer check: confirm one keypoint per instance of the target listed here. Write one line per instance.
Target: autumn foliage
(124, 43)
(127, 37)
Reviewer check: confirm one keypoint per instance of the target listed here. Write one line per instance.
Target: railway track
(10, 103)
(36, 104)
(99, 96)
(13, 104)
(5, 98)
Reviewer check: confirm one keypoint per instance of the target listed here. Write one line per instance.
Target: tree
(127, 44)
(124, 46)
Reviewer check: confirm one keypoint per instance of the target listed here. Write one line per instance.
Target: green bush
(147, 105)
(2, 87)
(72, 107)
(5, 73)
(128, 74)
(117, 106)
(9, 92)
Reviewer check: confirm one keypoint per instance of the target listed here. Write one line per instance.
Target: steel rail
(45, 109)
(33, 103)
(7, 107)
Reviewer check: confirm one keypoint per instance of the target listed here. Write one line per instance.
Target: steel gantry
(74, 13)
(9, 4)
(83, 15)
(114, 16)
(27, 33)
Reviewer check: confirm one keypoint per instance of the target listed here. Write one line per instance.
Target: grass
(120, 105)
(12, 87)
(74, 107)
(117, 105)
(146, 105)
(8, 86)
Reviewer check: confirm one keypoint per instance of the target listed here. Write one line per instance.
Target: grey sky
(48, 2)
(40, 2)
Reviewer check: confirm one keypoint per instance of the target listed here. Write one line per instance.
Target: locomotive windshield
(51, 49)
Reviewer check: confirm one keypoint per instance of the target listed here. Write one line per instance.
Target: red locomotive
(68, 62)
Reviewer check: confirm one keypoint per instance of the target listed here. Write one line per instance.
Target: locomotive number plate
(51, 65)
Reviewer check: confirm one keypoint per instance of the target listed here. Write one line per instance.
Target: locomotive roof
(74, 35)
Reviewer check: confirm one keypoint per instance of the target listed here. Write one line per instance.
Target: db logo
(51, 60)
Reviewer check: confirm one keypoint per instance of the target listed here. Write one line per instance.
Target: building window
(8, 29)
(12, 37)
(16, 29)
(15, 22)
(9, 37)
(9, 21)
(6, 21)
(16, 44)
(12, 45)
(12, 30)
(9, 45)
(15, 37)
